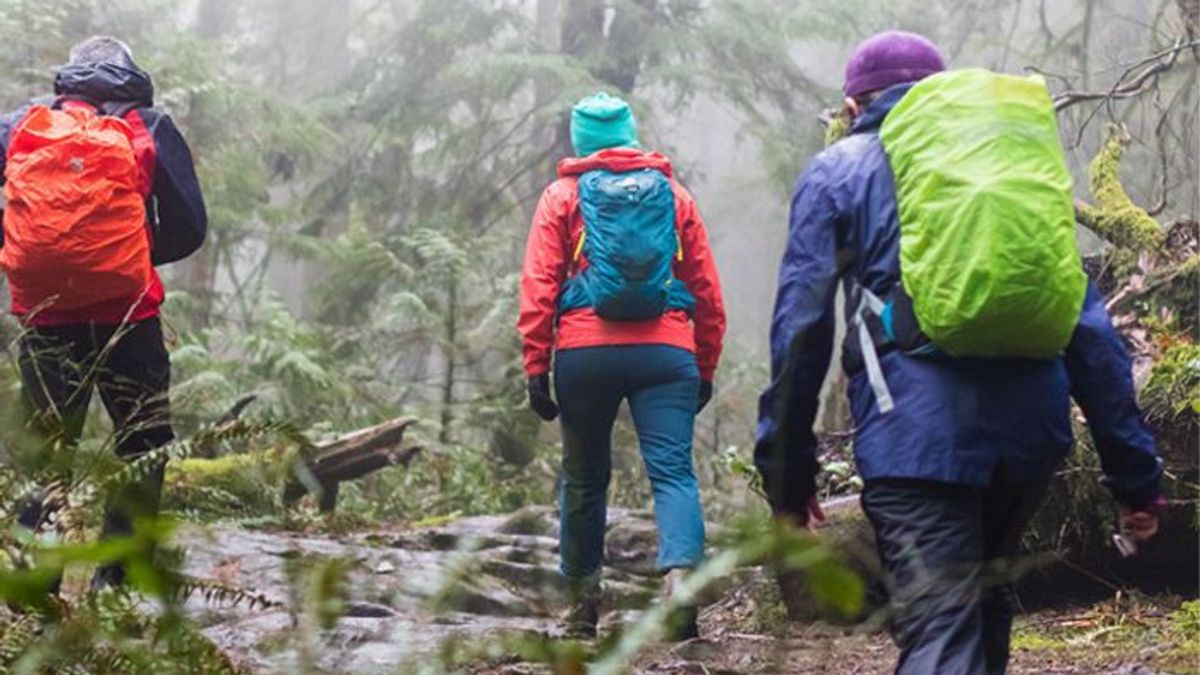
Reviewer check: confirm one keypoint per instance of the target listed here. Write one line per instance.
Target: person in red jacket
(94, 335)
(613, 336)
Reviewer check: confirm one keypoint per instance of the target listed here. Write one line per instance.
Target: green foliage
(1076, 510)
(1186, 619)
(454, 479)
(320, 589)
(1096, 637)
(231, 485)
(1173, 389)
(288, 364)
(103, 632)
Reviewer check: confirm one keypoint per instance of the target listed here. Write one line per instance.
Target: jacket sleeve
(181, 218)
(1101, 377)
(698, 271)
(542, 277)
(802, 334)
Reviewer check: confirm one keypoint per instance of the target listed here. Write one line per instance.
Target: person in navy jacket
(953, 474)
(115, 347)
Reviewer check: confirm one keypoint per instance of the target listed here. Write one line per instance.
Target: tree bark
(352, 457)
(213, 21)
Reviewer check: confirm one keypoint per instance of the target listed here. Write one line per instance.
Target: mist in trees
(371, 166)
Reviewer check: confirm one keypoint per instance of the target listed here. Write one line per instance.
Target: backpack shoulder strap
(118, 109)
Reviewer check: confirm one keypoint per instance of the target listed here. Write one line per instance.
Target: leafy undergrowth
(1118, 635)
(746, 634)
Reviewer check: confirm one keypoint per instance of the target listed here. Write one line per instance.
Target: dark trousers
(944, 547)
(129, 366)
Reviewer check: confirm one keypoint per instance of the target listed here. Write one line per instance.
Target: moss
(770, 613)
(1181, 294)
(1114, 215)
(1186, 619)
(1092, 639)
(1035, 642)
(837, 128)
(231, 484)
(1171, 400)
(1173, 389)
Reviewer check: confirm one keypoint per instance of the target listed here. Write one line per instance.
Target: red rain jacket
(557, 227)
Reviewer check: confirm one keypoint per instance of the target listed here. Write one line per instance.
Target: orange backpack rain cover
(75, 221)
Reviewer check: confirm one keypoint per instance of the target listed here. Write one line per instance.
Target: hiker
(620, 291)
(963, 351)
(100, 189)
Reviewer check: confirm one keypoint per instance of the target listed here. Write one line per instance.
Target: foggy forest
(353, 443)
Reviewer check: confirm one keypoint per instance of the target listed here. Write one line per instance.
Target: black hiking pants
(129, 366)
(945, 548)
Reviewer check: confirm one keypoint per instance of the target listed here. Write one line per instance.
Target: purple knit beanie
(889, 58)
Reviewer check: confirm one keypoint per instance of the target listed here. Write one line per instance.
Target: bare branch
(1164, 163)
(1136, 80)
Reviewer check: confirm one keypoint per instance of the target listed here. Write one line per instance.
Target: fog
(371, 166)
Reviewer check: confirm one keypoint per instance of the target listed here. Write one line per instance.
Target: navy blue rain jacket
(955, 420)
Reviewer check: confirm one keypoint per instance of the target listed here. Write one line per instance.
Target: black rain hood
(106, 83)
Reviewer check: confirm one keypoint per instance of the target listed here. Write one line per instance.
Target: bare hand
(816, 515)
(1138, 526)
(809, 520)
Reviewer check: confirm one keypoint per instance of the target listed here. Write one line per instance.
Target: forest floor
(480, 595)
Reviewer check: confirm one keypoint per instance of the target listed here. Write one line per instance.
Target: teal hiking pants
(662, 387)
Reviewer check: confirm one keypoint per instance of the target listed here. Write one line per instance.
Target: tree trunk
(213, 21)
(451, 355)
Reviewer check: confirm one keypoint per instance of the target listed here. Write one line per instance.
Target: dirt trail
(418, 593)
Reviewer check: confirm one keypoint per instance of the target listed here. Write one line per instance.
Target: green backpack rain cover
(987, 227)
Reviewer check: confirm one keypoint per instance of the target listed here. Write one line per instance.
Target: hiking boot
(38, 515)
(583, 613)
(682, 623)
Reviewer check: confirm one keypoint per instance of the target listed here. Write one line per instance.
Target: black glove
(540, 399)
(706, 394)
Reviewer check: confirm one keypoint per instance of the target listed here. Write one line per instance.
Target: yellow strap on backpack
(579, 246)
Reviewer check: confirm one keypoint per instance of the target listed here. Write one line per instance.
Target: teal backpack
(631, 245)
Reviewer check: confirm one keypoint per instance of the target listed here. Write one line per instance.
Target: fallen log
(1067, 556)
(349, 458)
(250, 481)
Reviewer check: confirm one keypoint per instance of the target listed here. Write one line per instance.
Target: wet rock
(411, 592)
(532, 520)
(631, 545)
(541, 578)
(487, 598)
(369, 610)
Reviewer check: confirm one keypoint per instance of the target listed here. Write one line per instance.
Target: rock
(527, 576)
(411, 592)
(631, 544)
(482, 596)
(369, 610)
(532, 520)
